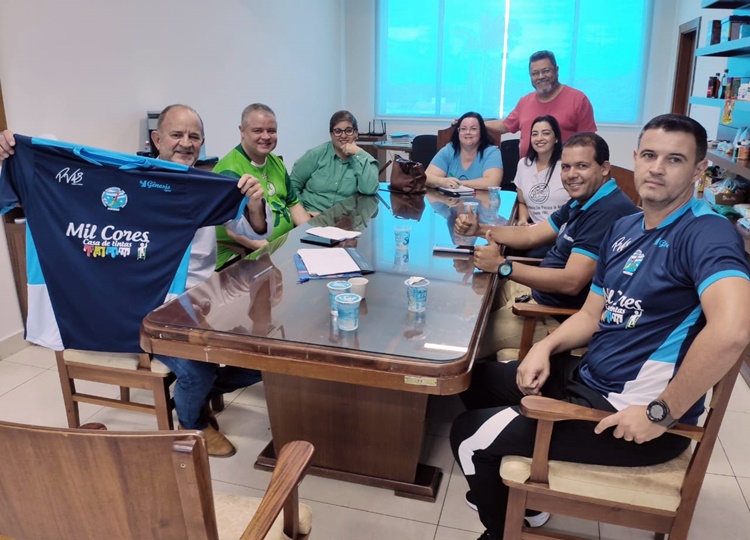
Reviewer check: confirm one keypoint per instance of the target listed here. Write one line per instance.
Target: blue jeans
(199, 381)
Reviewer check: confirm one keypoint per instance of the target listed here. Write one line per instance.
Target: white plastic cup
(334, 288)
(347, 305)
(474, 206)
(359, 285)
(416, 295)
(402, 234)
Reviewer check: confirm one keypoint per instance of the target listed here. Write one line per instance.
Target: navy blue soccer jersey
(652, 281)
(107, 237)
(580, 229)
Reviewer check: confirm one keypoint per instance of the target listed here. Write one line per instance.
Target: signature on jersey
(74, 178)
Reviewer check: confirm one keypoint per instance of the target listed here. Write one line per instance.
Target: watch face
(656, 411)
(505, 269)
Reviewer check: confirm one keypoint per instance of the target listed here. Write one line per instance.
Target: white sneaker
(537, 520)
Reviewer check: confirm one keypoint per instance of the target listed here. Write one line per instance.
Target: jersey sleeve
(716, 251)
(9, 197)
(291, 193)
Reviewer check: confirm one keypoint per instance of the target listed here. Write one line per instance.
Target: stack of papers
(327, 261)
(333, 233)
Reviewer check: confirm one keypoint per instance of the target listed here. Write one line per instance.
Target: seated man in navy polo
(564, 276)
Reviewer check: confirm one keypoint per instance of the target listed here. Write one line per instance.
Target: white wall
(667, 16)
(87, 71)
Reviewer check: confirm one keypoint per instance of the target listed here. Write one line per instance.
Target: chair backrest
(444, 136)
(508, 151)
(424, 148)
(624, 179)
(60, 483)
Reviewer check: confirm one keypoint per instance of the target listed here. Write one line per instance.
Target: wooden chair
(659, 498)
(625, 181)
(61, 483)
(120, 369)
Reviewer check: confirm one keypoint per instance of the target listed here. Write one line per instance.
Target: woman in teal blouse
(335, 170)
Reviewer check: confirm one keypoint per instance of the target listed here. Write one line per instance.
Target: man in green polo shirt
(258, 138)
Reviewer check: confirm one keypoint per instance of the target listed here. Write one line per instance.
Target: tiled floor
(30, 393)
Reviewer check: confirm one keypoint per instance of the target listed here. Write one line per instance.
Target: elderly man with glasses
(570, 107)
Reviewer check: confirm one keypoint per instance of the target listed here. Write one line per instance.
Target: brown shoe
(208, 413)
(216, 443)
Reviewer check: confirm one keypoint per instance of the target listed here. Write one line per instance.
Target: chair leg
(217, 403)
(658, 536)
(124, 393)
(515, 514)
(161, 404)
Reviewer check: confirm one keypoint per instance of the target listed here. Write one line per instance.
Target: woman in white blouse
(540, 189)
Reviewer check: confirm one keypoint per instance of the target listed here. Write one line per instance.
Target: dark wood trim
(685, 65)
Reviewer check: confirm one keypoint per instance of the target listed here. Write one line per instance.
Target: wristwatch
(658, 412)
(505, 269)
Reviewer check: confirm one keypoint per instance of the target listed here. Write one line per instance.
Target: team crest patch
(114, 198)
(633, 263)
(271, 189)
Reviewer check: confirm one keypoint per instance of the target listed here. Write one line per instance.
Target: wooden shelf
(737, 47)
(738, 167)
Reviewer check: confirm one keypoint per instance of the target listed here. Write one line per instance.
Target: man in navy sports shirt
(178, 138)
(667, 316)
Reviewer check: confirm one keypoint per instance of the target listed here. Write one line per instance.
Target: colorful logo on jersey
(633, 263)
(109, 241)
(150, 184)
(74, 178)
(114, 198)
(270, 189)
(620, 308)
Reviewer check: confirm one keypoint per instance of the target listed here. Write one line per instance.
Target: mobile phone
(467, 250)
(318, 240)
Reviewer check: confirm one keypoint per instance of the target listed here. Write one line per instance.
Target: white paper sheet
(333, 233)
(327, 261)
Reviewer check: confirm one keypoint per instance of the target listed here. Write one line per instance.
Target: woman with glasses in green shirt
(336, 169)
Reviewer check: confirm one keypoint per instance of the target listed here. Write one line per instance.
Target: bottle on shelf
(147, 147)
(724, 94)
(717, 85)
(713, 82)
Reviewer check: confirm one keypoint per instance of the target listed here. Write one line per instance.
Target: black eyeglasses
(541, 73)
(338, 132)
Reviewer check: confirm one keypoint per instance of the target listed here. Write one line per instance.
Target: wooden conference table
(360, 397)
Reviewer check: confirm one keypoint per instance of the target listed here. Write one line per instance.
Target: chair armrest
(524, 309)
(543, 408)
(291, 466)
